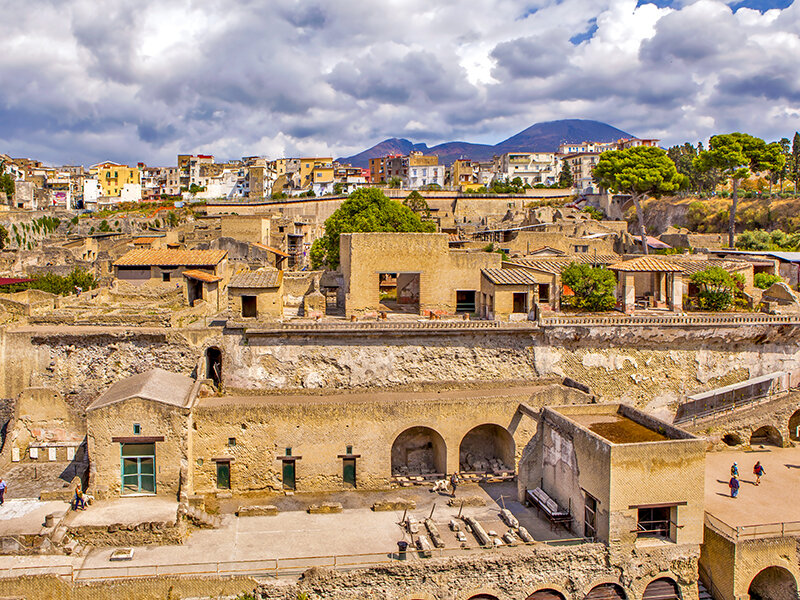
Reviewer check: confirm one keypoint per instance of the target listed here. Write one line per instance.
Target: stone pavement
(25, 516)
(125, 511)
(774, 501)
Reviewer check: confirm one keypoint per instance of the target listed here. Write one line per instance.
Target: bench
(554, 513)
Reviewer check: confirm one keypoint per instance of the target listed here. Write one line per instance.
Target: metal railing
(734, 406)
(381, 327)
(270, 567)
(667, 320)
(752, 532)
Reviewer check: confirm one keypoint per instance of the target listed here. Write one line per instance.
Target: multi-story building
(189, 168)
(415, 170)
(118, 180)
(531, 167)
(462, 174)
(582, 158)
(377, 168)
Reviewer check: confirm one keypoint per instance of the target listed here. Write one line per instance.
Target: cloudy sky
(141, 80)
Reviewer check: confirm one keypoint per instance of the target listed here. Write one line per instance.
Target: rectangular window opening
(137, 429)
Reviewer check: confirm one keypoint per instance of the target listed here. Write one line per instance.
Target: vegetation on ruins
(717, 288)
(366, 209)
(764, 280)
(57, 284)
(6, 181)
(761, 240)
(593, 287)
(594, 212)
(4, 237)
(492, 248)
(565, 179)
(416, 202)
(641, 171)
(734, 156)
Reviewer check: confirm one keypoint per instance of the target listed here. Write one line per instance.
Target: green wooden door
(349, 471)
(288, 475)
(138, 468)
(224, 475)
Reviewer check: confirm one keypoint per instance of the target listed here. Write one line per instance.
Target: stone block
(467, 501)
(325, 508)
(396, 504)
(264, 510)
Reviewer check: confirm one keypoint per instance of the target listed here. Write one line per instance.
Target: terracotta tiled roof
(271, 249)
(690, 266)
(510, 276)
(256, 279)
(171, 258)
(557, 264)
(645, 264)
(201, 275)
(144, 240)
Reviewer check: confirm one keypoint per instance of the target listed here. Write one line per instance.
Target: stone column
(676, 292)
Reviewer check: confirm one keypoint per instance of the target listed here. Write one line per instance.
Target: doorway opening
(214, 365)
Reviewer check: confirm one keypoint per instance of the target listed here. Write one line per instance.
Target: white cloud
(142, 80)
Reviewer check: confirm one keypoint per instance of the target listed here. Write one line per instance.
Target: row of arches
(663, 588)
(767, 435)
(422, 450)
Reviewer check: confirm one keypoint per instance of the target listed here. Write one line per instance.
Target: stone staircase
(702, 592)
(201, 518)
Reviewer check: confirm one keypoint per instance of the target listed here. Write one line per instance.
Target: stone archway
(766, 436)
(663, 588)
(794, 426)
(483, 597)
(419, 451)
(773, 583)
(486, 448)
(546, 594)
(606, 591)
(214, 365)
(732, 439)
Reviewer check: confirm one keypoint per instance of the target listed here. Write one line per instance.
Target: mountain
(540, 137)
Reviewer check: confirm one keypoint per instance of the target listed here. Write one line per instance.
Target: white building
(531, 167)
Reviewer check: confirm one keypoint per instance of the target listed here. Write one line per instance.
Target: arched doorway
(606, 591)
(794, 426)
(546, 594)
(419, 451)
(663, 588)
(486, 448)
(214, 365)
(773, 583)
(732, 439)
(766, 436)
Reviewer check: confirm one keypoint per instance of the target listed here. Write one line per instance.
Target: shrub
(593, 287)
(764, 280)
(717, 288)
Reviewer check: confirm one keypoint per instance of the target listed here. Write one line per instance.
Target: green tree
(593, 287)
(4, 238)
(764, 280)
(6, 182)
(736, 155)
(565, 179)
(796, 159)
(788, 161)
(367, 209)
(640, 171)
(416, 202)
(717, 288)
(104, 226)
(395, 183)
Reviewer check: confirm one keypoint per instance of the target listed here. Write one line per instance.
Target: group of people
(758, 471)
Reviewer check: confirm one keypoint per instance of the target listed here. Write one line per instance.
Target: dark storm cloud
(540, 56)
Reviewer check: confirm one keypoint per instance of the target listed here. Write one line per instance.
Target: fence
(370, 327)
(726, 320)
(752, 532)
(270, 567)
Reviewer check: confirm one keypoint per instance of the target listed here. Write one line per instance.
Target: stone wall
(507, 575)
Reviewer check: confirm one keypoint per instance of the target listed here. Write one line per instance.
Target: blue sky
(143, 80)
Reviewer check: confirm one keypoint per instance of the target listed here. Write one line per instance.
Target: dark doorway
(249, 306)
(349, 471)
(663, 588)
(606, 591)
(288, 475)
(214, 365)
(544, 292)
(590, 517)
(195, 290)
(773, 583)
(654, 522)
(465, 301)
(224, 475)
(766, 436)
(520, 302)
(546, 594)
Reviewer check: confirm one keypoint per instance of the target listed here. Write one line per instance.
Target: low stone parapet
(325, 508)
(265, 510)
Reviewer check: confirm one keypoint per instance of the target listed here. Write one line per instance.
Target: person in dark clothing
(454, 483)
(734, 470)
(3, 487)
(734, 485)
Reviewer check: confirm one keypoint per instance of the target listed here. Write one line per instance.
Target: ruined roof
(256, 279)
(271, 249)
(509, 276)
(201, 276)
(556, 264)
(690, 266)
(171, 258)
(645, 264)
(144, 240)
(157, 385)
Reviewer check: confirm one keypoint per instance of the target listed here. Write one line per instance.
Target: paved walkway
(25, 516)
(774, 501)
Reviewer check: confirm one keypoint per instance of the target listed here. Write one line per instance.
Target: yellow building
(113, 177)
(309, 165)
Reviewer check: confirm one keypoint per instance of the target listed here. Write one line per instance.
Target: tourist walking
(734, 470)
(734, 485)
(3, 487)
(759, 472)
(79, 499)
(454, 483)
